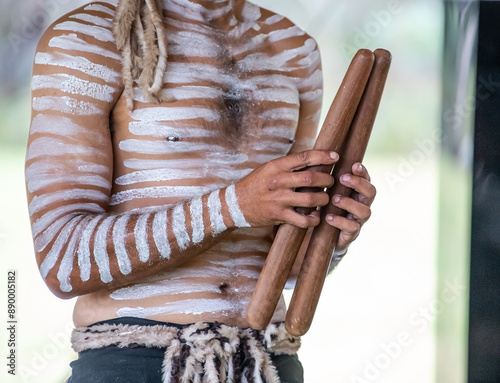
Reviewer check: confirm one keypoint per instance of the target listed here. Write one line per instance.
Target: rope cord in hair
(141, 38)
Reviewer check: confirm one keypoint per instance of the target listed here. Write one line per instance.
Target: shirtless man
(166, 211)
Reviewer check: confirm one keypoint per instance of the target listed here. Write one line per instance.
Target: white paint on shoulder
(66, 105)
(96, 20)
(78, 63)
(99, 33)
(71, 84)
(72, 42)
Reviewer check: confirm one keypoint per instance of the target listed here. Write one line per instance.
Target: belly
(216, 286)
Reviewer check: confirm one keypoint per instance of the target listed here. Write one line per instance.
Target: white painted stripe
(78, 63)
(100, 249)
(96, 32)
(192, 44)
(84, 248)
(312, 82)
(158, 175)
(188, 306)
(282, 34)
(273, 19)
(141, 237)
(197, 225)
(179, 227)
(290, 54)
(66, 267)
(313, 95)
(99, 8)
(62, 126)
(166, 131)
(42, 240)
(65, 104)
(277, 95)
(53, 255)
(281, 114)
(280, 131)
(40, 181)
(72, 42)
(119, 241)
(48, 218)
(215, 210)
(174, 114)
(254, 260)
(161, 192)
(99, 21)
(160, 234)
(234, 208)
(70, 84)
(166, 147)
(170, 287)
(280, 147)
(41, 202)
(311, 60)
(48, 146)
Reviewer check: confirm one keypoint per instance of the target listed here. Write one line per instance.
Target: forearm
(95, 251)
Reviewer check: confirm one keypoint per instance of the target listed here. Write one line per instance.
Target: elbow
(57, 289)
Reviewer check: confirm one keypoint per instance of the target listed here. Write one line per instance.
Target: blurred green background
(371, 324)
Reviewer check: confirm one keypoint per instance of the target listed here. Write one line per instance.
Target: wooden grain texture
(324, 238)
(288, 239)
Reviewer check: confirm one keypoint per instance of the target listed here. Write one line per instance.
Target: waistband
(198, 352)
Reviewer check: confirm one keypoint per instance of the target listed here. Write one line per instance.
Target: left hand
(357, 206)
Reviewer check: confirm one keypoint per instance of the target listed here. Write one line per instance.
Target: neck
(220, 12)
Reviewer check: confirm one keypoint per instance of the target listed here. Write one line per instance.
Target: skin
(131, 210)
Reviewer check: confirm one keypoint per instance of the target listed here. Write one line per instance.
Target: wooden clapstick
(324, 237)
(288, 239)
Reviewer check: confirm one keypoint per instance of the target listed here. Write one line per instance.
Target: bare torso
(235, 81)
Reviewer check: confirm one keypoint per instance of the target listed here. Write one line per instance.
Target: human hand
(267, 195)
(357, 206)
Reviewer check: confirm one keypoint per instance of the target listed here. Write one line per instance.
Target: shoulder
(90, 24)
(290, 41)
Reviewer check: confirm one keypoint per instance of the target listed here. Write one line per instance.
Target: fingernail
(329, 217)
(334, 155)
(346, 177)
(336, 198)
(360, 168)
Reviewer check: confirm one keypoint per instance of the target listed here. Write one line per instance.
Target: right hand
(267, 195)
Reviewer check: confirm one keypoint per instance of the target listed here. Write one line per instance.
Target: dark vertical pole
(484, 306)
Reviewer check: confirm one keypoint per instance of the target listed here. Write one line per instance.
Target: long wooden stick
(324, 237)
(288, 239)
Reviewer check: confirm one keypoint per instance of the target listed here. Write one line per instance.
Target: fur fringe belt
(201, 352)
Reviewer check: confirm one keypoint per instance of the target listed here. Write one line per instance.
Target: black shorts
(144, 365)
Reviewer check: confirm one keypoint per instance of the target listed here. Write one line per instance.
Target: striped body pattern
(136, 211)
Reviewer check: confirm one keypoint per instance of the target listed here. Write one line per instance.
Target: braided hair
(140, 36)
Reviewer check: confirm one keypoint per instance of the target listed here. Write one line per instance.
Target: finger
(305, 178)
(301, 160)
(357, 210)
(303, 221)
(306, 199)
(360, 185)
(359, 170)
(349, 229)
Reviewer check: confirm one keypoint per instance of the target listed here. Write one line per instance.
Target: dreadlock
(140, 36)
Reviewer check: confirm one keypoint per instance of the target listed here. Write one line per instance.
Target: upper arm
(69, 160)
